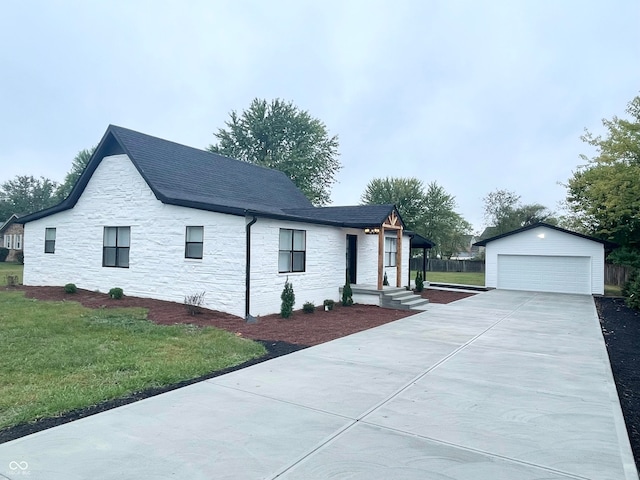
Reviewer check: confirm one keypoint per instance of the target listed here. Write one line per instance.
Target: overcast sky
(475, 95)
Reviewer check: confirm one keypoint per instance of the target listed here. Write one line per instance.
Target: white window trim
(7, 241)
(17, 241)
(390, 255)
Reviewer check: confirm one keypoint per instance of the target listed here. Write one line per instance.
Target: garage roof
(606, 243)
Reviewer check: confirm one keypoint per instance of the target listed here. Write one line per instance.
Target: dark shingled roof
(189, 177)
(606, 243)
(357, 216)
(418, 241)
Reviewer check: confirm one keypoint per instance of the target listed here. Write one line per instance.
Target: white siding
(118, 196)
(542, 241)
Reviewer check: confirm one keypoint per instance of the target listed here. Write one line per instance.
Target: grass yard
(455, 277)
(60, 356)
(9, 269)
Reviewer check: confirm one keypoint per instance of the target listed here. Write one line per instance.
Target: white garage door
(545, 273)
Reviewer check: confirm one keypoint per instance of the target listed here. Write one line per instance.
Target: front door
(352, 257)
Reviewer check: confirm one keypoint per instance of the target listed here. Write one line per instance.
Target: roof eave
(606, 243)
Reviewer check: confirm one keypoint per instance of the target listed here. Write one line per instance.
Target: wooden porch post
(399, 257)
(380, 256)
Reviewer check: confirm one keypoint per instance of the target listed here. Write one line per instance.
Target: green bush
(308, 307)
(419, 282)
(70, 288)
(328, 304)
(347, 295)
(4, 253)
(631, 290)
(288, 300)
(116, 293)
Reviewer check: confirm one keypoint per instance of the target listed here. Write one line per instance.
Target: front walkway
(501, 385)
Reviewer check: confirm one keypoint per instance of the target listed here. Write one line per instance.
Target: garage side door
(544, 273)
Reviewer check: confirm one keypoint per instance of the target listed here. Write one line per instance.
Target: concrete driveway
(502, 385)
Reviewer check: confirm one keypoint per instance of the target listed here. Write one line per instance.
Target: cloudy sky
(475, 95)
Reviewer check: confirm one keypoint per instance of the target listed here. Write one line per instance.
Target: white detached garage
(545, 258)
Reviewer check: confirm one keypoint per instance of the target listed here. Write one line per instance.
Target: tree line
(603, 194)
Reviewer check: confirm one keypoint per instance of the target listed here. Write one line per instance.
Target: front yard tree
(503, 210)
(26, 194)
(80, 162)
(604, 194)
(279, 135)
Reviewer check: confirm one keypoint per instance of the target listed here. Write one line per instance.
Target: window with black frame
(194, 242)
(293, 251)
(115, 251)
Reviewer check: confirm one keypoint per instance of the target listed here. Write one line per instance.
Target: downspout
(409, 266)
(247, 294)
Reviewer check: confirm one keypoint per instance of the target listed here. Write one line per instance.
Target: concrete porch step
(403, 300)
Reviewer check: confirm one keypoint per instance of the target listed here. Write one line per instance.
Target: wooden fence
(613, 274)
(437, 265)
(616, 274)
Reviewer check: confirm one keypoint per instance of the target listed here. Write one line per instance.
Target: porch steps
(402, 299)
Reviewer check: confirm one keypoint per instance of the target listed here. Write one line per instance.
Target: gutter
(247, 294)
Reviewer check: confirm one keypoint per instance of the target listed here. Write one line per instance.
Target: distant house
(164, 220)
(468, 250)
(12, 235)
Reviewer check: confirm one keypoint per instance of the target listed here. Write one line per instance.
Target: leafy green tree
(407, 194)
(77, 167)
(504, 212)
(430, 212)
(279, 135)
(26, 194)
(441, 223)
(604, 193)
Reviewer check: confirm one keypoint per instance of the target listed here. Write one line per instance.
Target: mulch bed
(444, 296)
(621, 331)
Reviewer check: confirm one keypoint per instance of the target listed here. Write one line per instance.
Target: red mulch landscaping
(444, 296)
(301, 329)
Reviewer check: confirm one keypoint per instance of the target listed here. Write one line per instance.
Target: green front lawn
(60, 356)
(455, 277)
(9, 269)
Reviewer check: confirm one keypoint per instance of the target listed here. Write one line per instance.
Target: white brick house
(11, 237)
(163, 220)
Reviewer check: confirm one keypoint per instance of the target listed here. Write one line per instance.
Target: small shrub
(347, 295)
(328, 304)
(70, 288)
(419, 282)
(20, 257)
(12, 280)
(4, 253)
(385, 280)
(308, 307)
(288, 300)
(632, 292)
(116, 293)
(625, 291)
(193, 303)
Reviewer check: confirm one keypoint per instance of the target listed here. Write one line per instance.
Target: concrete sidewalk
(502, 385)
